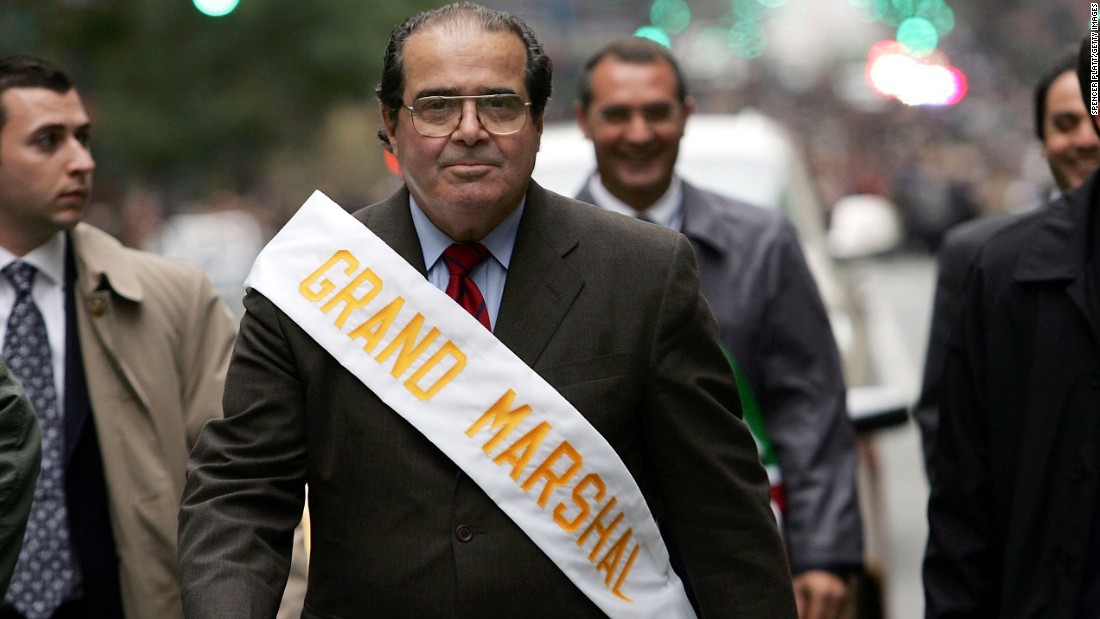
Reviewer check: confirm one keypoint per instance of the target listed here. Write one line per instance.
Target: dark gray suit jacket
(771, 319)
(607, 310)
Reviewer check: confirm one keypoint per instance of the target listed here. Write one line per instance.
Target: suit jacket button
(464, 533)
(96, 306)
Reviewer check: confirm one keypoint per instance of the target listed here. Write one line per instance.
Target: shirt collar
(434, 241)
(666, 210)
(48, 258)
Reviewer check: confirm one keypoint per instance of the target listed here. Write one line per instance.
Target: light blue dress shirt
(490, 275)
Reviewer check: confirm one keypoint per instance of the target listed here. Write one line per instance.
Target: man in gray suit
(604, 309)
(633, 105)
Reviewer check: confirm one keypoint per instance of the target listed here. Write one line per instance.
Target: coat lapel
(702, 221)
(541, 285)
(1059, 251)
(392, 222)
(104, 275)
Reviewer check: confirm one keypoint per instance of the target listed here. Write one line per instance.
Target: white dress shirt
(667, 211)
(489, 275)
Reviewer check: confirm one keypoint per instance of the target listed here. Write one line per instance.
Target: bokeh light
(747, 39)
(672, 16)
(216, 8)
(749, 10)
(943, 18)
(653, 33)
(919, 35)
(893, 72)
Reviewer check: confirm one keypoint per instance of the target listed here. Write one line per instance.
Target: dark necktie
(45, 575)
(460, 259)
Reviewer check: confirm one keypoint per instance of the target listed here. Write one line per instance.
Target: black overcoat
(1016, 467)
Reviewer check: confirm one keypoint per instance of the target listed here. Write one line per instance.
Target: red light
(892, 71)
(391, 163)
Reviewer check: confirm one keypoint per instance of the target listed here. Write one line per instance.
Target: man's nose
(469, 129)
(638, 128)
(1085, 136)
(82, 161)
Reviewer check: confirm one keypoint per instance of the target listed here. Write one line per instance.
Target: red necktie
(460, 259)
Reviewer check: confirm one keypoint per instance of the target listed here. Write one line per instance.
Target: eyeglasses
(437, 117)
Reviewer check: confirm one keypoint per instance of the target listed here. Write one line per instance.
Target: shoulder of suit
(104, 261)
(731, 208)
(969, 235)
(725, 224)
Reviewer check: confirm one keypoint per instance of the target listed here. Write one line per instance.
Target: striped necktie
(460, 259)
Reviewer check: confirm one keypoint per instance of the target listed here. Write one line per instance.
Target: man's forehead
(42, 106)
(1064, 92)
(437, 57)
(627, 81)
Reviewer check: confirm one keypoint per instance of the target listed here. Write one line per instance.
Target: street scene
(549, 309)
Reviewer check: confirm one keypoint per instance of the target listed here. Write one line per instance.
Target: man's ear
(582, 119)
(389, 126)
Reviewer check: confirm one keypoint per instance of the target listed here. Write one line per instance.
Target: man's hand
(820, 595)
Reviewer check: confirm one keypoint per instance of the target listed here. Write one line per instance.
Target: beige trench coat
(156, 342)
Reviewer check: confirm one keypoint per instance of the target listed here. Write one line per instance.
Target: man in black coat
(1013, 519)
(1072, 150)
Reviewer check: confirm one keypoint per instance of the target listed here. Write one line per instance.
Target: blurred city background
(210, 130)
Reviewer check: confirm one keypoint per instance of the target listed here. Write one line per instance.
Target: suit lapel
(392, 222)
(701, 220)
(541, 286)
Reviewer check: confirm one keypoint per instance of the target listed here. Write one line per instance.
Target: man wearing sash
(509, 455)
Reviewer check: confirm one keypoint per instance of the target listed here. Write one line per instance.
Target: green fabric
(20, 458)
(750, 409)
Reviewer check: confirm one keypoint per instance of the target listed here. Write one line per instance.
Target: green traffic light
(672, 16)
(655, 34)
(919, 35)
(216, 8)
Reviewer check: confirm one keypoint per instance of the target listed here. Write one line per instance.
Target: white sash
(510, 431)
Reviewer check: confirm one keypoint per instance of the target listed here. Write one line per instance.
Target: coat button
(464, 533)
(96, 306)
(1078, 472)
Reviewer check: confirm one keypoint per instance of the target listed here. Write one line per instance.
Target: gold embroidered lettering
(503, 416)
(546, 471)
(521, 452)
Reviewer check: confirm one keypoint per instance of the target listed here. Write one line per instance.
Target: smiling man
(1014, 502)
(633, 106)
(465, 501)
(1072, 150)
